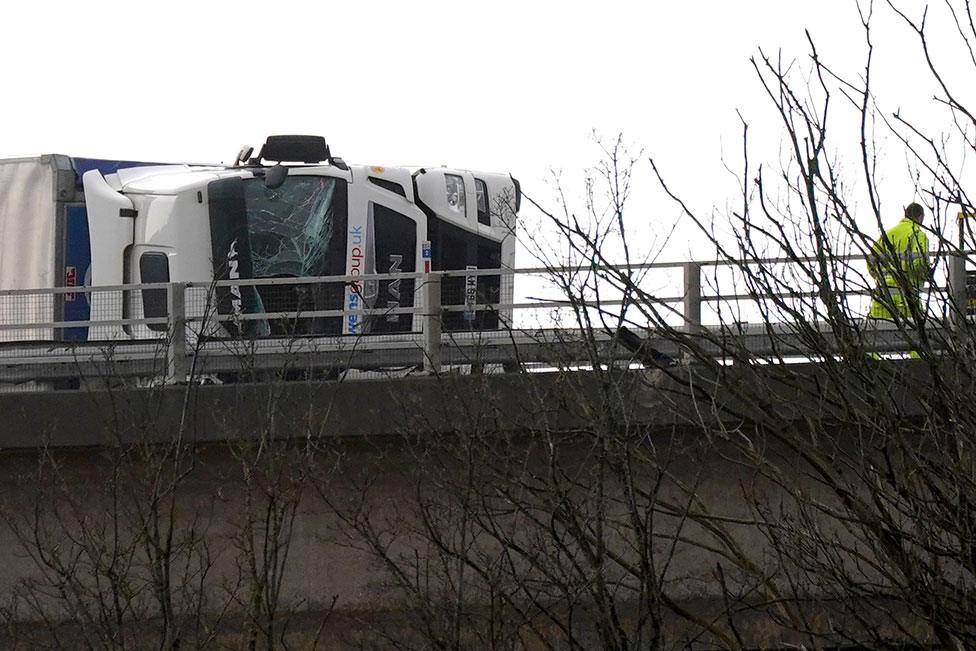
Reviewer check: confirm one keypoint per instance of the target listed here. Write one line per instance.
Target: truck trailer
(293, 210)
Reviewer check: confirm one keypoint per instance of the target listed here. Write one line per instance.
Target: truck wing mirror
(243, 155)
(275, 177)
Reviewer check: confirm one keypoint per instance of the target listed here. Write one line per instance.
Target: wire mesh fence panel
(27, 316)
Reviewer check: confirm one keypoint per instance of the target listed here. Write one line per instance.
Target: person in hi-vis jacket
(899, 265)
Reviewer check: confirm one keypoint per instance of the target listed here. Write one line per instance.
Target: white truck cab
(309, 214)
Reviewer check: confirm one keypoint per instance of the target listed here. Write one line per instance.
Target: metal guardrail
(122, 341)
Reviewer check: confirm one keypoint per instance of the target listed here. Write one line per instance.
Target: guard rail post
(959, 302)
(957, 291)
(432, 324)
(176, 368)
(692, 279)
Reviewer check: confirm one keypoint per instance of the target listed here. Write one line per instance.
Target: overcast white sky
(497, 86)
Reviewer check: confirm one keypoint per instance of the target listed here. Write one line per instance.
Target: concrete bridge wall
(82, 473)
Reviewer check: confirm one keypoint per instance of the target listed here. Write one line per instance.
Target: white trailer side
(32, 194)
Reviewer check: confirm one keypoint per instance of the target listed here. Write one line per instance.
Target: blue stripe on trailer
(77, 264)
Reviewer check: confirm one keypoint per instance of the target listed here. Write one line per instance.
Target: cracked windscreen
(290, 227)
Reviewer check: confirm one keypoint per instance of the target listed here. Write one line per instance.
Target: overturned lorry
(292, 211)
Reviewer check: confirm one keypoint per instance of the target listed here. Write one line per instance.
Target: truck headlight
(456, 200)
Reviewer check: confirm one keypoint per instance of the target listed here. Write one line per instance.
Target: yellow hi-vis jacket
(900, 267)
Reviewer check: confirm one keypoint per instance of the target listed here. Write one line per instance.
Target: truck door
(384, 227)
(395, 251)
